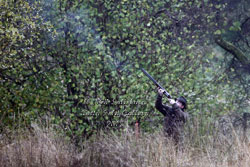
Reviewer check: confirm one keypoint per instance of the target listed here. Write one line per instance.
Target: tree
(100, 57)
(24, 65)
(87, 76)
(235, 41)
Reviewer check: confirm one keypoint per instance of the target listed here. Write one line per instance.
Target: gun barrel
(155, 82)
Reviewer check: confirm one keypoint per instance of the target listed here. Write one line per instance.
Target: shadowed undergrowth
(41, 147)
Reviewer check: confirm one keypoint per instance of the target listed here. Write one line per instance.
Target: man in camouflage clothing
(175, 116)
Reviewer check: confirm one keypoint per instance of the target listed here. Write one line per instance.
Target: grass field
(42, 148)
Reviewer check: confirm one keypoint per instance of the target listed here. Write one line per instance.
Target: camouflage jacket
(174, 119)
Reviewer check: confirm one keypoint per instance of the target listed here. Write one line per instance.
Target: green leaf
(217, 32)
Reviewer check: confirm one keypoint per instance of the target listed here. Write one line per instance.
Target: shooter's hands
(171, 101)
(160, 91)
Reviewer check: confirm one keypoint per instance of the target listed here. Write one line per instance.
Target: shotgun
(156, 83)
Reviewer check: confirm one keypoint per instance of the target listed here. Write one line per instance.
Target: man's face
(180, 104)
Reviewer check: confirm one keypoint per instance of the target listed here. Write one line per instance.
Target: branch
(237, 53)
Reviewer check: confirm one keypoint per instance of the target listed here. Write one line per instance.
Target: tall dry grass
(42, 148)
(36, 148)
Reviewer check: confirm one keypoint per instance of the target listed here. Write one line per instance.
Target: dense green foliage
(24, 69)
(76, 63)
